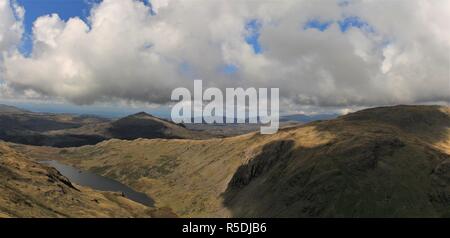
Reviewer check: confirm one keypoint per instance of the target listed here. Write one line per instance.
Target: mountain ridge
(66, 130)
(358, 165)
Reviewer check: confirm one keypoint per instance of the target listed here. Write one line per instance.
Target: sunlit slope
(29, 189)
(381, 162)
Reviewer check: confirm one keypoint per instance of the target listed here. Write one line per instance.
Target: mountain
(25, 127)
(66, 130)
(307, 118)
(143, 125)
(235, 129)
(29, 189)
(10, 109)
(139, 125)
(380, 162)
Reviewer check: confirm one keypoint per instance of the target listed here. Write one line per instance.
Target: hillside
(29, 189)
(10, 109)
(139, 125)
(381, 162)
(66, 130)
(143, 125)
(25, 127)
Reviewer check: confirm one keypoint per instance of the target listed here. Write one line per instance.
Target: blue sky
(253, 27)
(344, 24)
(64, 8)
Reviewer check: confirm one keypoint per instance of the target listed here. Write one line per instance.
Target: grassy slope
(384, 162)
(29, 189)
(31, 128)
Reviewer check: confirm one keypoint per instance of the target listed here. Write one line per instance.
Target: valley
(30, 189)
(380, 162)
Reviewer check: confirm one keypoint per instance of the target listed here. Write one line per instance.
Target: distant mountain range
(307, 118)
(67, 130)
(303, 118)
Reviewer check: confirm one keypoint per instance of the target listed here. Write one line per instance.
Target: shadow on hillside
(376, 166)
(277, 178)
(272, 155)
(58, 141)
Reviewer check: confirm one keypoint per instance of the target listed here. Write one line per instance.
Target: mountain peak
(413, 118)
(144, 125)
(141, 114)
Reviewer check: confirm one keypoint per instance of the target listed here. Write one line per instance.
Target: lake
(97, 182)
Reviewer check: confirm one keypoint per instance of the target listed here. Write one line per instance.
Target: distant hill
(307, 118)
(143, 125)
(380, 162)
(31, 128)
(139, 125)
(66, 130)
(11, 109)
(234, 129)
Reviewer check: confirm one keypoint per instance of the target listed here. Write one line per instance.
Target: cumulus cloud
(11, 16)
(10, 25)
(368, 52)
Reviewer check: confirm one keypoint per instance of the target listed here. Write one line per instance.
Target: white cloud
(10, 26)
(10, 34)
(11, 16)
(126, 53)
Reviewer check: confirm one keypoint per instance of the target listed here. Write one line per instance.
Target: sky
(66, 9)
(324, 55)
